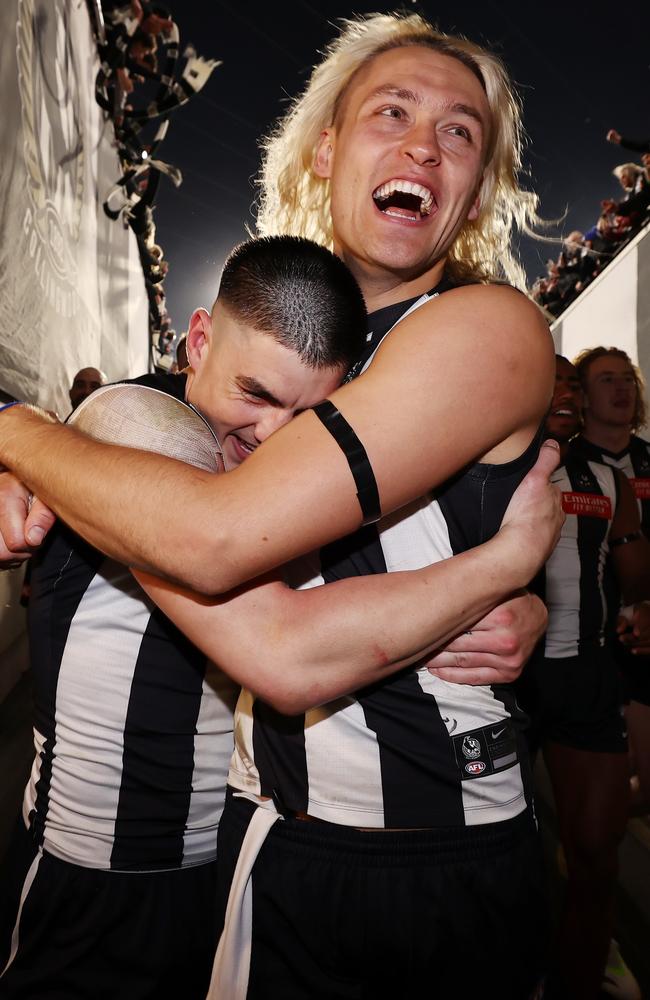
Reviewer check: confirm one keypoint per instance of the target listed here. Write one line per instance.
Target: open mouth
(243, 447)
(404, 199)
(563, 411)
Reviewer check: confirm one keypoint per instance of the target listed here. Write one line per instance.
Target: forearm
(105, 492)
(298, 649)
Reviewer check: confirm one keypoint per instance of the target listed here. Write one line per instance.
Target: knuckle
(510, 645)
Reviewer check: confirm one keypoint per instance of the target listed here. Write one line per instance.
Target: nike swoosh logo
(498, 733)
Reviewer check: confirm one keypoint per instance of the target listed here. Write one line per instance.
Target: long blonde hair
(294, 200)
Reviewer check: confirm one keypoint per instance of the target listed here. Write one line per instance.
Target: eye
(462, 131)
(392, 111)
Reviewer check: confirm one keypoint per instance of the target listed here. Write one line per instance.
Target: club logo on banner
(53, 148)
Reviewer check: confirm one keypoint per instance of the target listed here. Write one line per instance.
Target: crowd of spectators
(142, 79)
(584, 255)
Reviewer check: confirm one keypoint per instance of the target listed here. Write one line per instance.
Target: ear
(476, 204)
(324, 155)
(199, 334)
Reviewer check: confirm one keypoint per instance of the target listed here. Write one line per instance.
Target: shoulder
(482, 322)
(498, 305)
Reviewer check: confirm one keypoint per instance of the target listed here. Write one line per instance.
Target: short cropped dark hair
(299, 293)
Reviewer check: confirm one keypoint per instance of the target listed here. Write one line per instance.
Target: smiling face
(245, 383)
(404, 158)
(611, 393)
(564, 418)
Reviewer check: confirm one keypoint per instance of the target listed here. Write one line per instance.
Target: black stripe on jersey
(420, 785)
(474, 501)
(60, 576)
(419, 773)
(591, 534)
(280, 759)
(158, 758)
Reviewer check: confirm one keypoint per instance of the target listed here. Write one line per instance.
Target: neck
(564, 450)
(607, 436)
(384, 288)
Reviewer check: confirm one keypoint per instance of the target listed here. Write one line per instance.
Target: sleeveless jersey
(633, 462)
(574, 579)
(414, 750)
(133, 727)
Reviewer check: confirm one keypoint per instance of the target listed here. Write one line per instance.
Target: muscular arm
(297, 649)
(473, 351)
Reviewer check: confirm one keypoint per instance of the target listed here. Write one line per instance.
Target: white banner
(71, 286)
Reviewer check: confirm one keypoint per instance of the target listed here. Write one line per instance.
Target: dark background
(579, 73)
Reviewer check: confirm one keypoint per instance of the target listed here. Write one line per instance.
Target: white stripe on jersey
(564, 573)
(92, 701)
(495, 797)
(211, 760)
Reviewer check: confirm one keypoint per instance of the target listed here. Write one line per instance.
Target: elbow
(284, 699)
(210, 569)
(287, 691)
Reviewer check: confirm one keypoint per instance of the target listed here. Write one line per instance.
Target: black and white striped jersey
(133, 728)
(414, 750)
(633, 462)
(574, 578)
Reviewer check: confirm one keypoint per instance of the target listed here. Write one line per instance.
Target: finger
(621, 625)
(13, 511)
(470, 661)
(477, 676)
(38, 523)
(491, 641)
(548, 458)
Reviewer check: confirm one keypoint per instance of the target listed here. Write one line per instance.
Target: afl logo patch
(476, 767)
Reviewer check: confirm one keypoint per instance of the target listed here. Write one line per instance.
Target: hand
(534, 516)
(497, 648)
(613, 136)
(633, 628)
(21, 529)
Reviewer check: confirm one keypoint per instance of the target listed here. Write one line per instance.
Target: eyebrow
(250, 384)
(404, 94)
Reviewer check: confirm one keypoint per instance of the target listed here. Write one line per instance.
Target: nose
(272, 420)
(421, 145)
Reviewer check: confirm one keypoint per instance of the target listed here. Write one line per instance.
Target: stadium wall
(613, 310)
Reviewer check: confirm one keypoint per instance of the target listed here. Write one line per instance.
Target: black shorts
(635, 671)
(99, 935)
(577, 701)
(343, 913)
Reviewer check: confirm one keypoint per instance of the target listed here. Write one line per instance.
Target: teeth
(406, 187)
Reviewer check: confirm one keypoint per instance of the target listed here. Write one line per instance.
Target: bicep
(458, 381)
